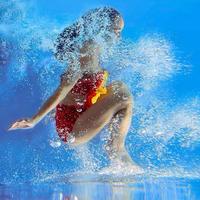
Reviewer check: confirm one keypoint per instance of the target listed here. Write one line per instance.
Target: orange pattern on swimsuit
(91, 86)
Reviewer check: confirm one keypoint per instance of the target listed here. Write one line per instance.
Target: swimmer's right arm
(67, 83)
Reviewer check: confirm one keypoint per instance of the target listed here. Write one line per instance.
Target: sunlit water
(163, 139)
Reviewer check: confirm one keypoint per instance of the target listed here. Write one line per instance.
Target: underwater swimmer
(83, 102)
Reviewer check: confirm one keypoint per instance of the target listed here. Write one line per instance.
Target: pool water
(157, 57)
(145, 188)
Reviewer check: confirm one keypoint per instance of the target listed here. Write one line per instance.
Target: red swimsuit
(91, 86)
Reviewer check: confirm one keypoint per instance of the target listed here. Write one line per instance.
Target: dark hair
(87, 27)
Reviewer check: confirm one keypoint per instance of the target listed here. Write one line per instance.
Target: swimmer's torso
(89, 83)
(84, 93)
(70, 99)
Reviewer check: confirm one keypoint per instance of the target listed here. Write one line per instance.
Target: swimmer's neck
(91, 69)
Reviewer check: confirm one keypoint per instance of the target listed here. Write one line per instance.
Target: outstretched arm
(89, 57)
(52, 102)
(67, 82)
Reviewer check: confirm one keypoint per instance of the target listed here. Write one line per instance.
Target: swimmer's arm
(89, 51)
(67, 83)
(51, 103)
(88, 58)
(68, 80)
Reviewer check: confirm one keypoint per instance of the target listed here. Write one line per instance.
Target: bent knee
(118, 84)
(121, 92)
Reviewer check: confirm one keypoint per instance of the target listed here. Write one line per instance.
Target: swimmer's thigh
(99, 114)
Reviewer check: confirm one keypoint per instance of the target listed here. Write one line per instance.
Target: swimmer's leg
(117, 100)
(118, 129)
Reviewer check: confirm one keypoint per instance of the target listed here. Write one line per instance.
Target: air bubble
(79, 110)
(71, 139)
(55, 143)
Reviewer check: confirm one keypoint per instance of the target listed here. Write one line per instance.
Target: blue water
(157, 57)
(147, 189)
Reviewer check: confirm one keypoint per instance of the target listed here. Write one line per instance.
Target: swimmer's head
(102, 21)
(118, 26)
(102, 25)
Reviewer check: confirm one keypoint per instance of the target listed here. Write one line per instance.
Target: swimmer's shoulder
(70, 76)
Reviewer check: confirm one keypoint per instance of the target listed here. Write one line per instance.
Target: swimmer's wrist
(34, 120)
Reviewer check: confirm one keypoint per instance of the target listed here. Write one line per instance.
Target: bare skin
(117, 102)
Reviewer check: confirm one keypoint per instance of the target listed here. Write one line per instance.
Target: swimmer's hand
(22, 124)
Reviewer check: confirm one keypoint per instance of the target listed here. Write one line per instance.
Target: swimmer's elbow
(63, 90)
(65, 86)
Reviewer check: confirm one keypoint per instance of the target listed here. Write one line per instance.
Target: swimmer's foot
(121, 162)
(125, 159)
(121, 158)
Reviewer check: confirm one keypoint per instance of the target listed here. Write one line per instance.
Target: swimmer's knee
(118, 84)
(121, 92)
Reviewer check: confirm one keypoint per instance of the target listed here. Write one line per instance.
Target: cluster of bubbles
(95, 27)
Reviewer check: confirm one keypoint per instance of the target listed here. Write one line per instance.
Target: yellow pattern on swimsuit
(101, 89)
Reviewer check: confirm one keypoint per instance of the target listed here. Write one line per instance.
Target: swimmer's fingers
(21, 124)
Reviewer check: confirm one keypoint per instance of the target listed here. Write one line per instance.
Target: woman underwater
(83, 102)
